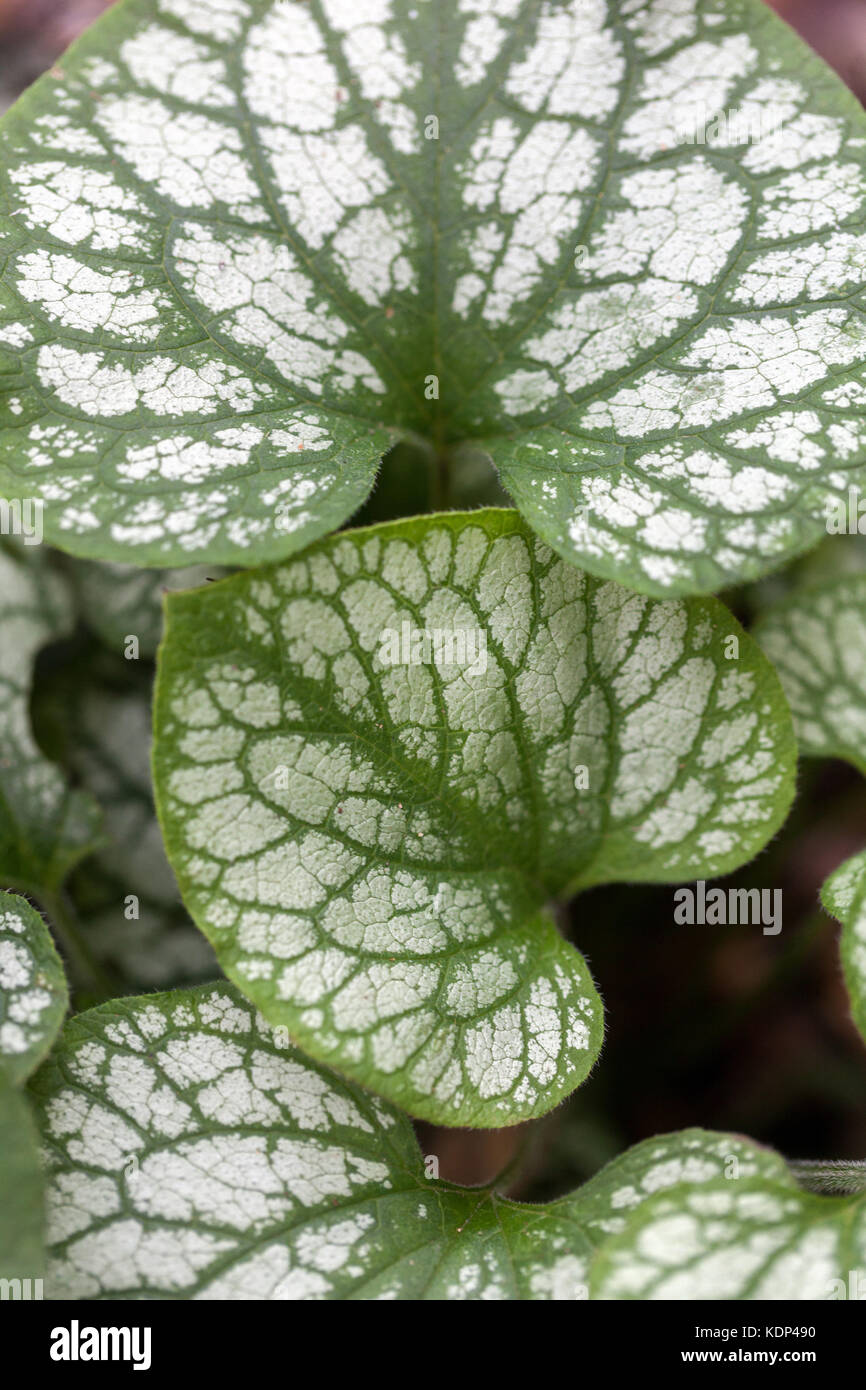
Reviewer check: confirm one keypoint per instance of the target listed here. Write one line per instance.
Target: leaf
(45, 828)
(372, 847)
(109, 735)
(33, 1001)
(249, 246)
(193, 1154)
(127, 897)
(816, 639)
(33, 993)
(94, 716)
(754, 1240)
(158, 949)
(834, 558)
(21, 1210)
(844, 895)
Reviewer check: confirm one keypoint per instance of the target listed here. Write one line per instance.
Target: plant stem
(839, 1175)
(440, 478)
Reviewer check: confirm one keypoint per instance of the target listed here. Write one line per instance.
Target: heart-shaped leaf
(45, 828)
(33, 993)
(376, 765)
(619, 247)
(193, 1154)
(752, 1240)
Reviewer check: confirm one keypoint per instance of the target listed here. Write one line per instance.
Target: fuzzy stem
(440, 480)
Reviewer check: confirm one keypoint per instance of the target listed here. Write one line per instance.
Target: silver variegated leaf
(619, 247)
(377, 765)
(755, 1240)
(33, 1001)
(816, 638)
(844, 894)
(193, 1154)
(33, 993)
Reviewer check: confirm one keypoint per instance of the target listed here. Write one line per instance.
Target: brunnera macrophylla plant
(250, 248)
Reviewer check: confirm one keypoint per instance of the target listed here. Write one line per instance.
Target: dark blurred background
(35, 32)
(714, 1026)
